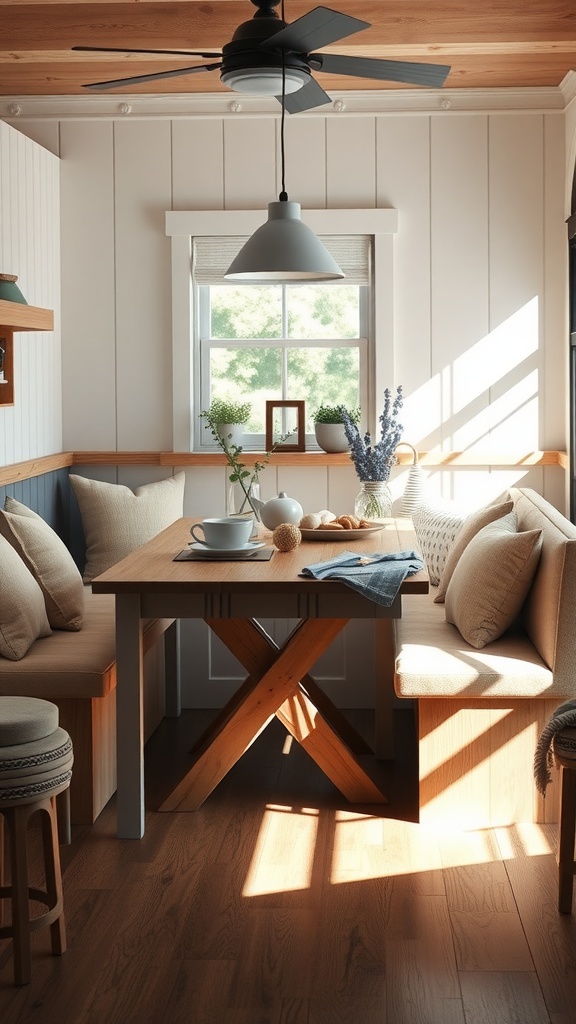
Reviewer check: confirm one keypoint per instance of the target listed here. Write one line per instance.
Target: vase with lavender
(373, 460)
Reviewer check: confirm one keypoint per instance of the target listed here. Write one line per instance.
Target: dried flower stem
(374, 461)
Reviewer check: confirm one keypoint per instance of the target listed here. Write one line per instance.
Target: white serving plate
(340, 534)
(244, 549)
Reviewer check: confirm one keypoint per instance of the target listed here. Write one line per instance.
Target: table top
(152, 569)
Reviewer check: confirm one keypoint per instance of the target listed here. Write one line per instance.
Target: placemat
(262, 555)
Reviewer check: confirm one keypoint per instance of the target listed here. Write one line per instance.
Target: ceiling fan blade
(319, 27)
(136, 79)
(311, 95)
(432, 75)
(129, 49)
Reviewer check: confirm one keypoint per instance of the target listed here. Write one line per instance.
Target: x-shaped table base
(277, 684)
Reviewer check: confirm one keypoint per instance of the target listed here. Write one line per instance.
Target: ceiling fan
(268, 57)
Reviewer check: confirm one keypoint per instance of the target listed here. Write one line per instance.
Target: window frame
(182, 226)
(202, 440)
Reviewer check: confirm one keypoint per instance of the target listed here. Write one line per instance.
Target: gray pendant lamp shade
(283, 249)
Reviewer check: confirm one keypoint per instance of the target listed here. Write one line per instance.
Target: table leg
(172, 670)
(275, 676)
(317, 725)
(332, 715)
(384, 688)
(268, 691)
(129, 717)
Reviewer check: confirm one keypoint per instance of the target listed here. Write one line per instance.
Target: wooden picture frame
(274, 431)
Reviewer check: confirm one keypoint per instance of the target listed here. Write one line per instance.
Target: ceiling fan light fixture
(283, 250)
(264, 81)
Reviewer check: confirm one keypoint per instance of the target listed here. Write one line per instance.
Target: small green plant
(223, 410)
(234, 452)
(333, 414)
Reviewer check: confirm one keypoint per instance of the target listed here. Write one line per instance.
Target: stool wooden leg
(63, 810)
(2, 864)
(19, 886)
(567, 836)
(53, 875)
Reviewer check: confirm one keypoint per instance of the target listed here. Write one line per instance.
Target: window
(280, 342)
(187, 228)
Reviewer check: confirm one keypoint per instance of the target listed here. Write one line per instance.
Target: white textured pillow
(472, 525)
(436, 529)
(491, 580)
(22, 610)
(117, 520)
(49, 561)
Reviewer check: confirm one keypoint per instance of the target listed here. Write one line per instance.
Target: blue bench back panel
(51, 496)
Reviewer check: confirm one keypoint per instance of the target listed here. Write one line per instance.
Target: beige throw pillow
(436, 528)
(22, 610)
(49, 561)
(471, 526)
(491, 580)
(117, 520)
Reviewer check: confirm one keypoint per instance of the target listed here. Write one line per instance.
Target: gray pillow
(117, 520)
(49, 561)
(22, 611)
(491, 580)
(472, 525)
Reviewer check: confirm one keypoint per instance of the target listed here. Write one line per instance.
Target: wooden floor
(278, 903)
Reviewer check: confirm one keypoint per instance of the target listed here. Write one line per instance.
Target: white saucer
(245, 549)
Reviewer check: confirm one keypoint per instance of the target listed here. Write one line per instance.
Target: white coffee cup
(223, 533)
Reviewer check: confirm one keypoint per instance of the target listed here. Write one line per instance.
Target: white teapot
(280, 510)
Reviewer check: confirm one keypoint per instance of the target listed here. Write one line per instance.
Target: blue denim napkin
(378, 577)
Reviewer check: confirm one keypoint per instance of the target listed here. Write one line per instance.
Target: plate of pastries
(325, 525)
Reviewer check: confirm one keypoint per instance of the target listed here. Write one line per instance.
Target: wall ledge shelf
(49, 463)
(16, 316)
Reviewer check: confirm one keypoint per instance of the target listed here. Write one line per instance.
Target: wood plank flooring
(277, 902)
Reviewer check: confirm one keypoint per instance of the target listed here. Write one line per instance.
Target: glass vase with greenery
(373, 459)
(246, 481)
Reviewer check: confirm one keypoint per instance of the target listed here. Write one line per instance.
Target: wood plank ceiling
(491, 44)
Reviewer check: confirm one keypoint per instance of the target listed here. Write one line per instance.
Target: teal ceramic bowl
(9, 290)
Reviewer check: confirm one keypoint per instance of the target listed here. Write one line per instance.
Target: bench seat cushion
(65, 664)
(433, 660)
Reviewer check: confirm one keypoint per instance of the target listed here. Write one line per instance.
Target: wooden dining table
(158, 580)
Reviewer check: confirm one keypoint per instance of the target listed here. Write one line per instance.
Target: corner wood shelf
(16, 316)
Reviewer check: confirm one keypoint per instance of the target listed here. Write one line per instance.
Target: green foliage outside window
(256, 373)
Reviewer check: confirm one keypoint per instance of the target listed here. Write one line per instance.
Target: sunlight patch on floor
(283, 855)
(531, 837)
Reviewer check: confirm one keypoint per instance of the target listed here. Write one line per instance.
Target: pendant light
(283, 250)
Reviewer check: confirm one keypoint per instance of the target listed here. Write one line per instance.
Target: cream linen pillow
(471, 526)
(117, 520)
(436, 529)
(49, 561)
(491, 580)
(22, 610)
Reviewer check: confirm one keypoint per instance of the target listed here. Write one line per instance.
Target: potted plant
(329, 427)
(227, 417)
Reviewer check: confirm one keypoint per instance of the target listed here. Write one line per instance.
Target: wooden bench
(77, 670)
(480, 712)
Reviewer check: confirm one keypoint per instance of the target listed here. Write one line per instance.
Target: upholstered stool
(35, 766)
(564, 746)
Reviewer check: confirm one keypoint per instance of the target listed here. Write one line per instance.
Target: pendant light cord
(283, 197)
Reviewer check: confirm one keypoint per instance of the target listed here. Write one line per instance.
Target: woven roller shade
(211, 257)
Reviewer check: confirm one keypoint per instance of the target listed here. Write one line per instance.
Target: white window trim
(182, 226)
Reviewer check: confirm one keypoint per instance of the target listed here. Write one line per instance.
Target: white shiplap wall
(480, 330)
(30, 248)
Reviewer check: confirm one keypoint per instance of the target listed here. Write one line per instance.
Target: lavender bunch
(374, 461)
